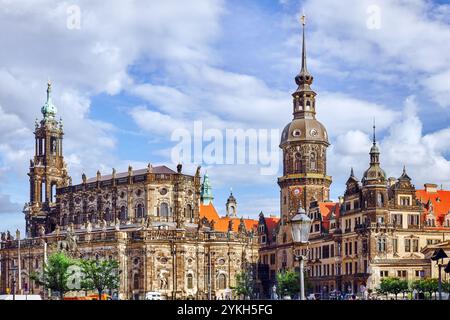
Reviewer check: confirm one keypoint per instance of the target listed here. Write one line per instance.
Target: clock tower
(304, 142)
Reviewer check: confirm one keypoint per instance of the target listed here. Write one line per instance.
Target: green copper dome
(49, 109)
(206, 195)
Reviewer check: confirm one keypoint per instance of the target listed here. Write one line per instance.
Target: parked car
(153, 295)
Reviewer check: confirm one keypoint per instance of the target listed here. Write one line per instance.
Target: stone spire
(206, 195)
(374, 173)
(304, 77)
(49, 109)
(374, 151)
(304, 96)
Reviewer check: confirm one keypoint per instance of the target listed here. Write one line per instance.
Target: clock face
(296, 192)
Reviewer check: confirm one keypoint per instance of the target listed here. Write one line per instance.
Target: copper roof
(156, 170)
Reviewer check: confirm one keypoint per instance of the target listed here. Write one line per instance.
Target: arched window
(221, 281)
(189, 213)
(164, 210)
(107, 214)
(313, 161)
(298, 163)
(123, 213)
(190, 281)
(308, 105)
(43, 192)
(380, 200)
(94, 217)
(139, 211)
(53, 191)
(78, 218)
(136, 281)
(65, 220)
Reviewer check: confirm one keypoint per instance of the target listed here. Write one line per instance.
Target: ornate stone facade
(148, 219)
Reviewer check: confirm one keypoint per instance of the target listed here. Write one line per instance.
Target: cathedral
(381, 227)
(159, 224)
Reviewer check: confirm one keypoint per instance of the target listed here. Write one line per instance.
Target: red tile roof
(440, 201)
(221, 223)
(271, 224)
(326, 210)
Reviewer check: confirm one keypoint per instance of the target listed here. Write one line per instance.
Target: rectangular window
(356, 247)
(356, 267)
(350, 245)
(332, 250)
(272, 259)
(394, 245)
(326, 252)
(407, 245)
(401, 273)
(381, 244)
(384, 273)
(413, 219)
(405, 201)
(397, 219)
(415, 245)
(346, 248)
(365, 266)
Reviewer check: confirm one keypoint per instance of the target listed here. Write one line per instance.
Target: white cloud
(410, 46)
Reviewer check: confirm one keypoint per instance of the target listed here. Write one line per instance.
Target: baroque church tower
(304, 142)
(47, 170)
(375, 187)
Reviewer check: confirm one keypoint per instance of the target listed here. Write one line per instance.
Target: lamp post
(300, 228)
(439, 254)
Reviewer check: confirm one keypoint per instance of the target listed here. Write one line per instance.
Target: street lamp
(439, 254)
(300, 228)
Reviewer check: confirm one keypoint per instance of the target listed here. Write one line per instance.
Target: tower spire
(374, 128)
(303, 21)
(304, 79)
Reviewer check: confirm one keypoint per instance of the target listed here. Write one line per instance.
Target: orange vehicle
(104, 296)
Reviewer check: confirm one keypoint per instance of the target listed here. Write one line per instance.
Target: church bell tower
(47, 170)
(304, 142)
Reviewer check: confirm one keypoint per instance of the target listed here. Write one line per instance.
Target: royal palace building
(380, 227)
(159, 224)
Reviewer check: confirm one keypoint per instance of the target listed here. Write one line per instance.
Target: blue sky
(134, 72)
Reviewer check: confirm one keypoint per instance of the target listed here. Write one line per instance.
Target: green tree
(393, 286)
(428, 285)
(57, 274)
(100, 275)
(244, 284)
(446, 287)
(288, 283)
(431, 286)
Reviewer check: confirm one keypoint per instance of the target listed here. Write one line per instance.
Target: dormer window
(405, 201)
